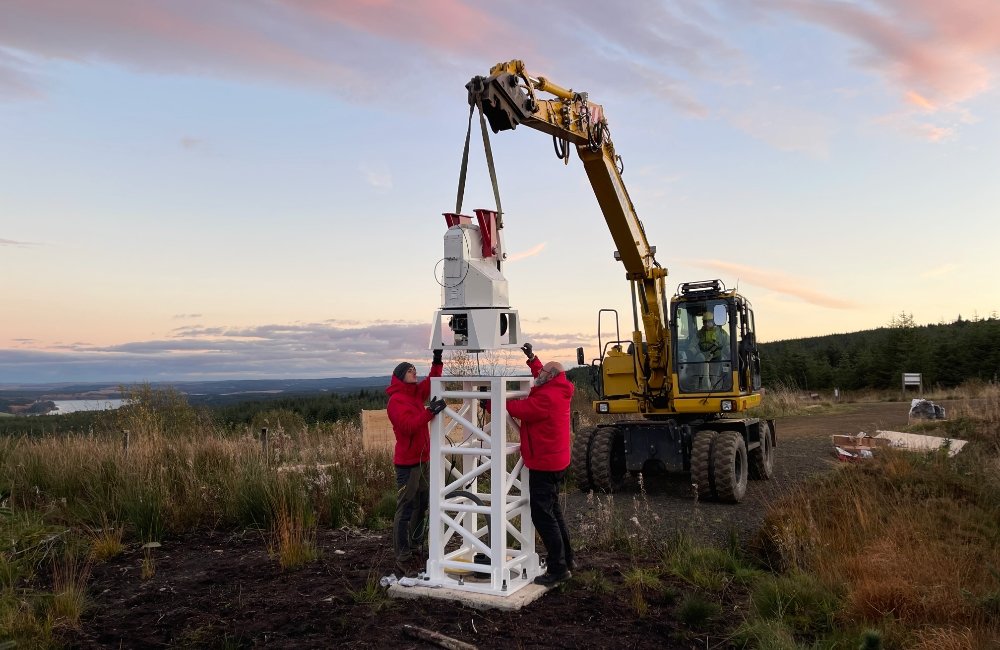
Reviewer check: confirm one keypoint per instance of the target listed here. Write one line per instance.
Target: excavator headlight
(603, 407)
(727, 405)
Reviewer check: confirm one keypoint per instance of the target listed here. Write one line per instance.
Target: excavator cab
(705, 339)
(714, 344)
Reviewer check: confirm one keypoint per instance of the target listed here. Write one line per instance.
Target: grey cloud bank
(304, 351)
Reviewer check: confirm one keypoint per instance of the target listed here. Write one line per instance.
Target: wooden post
(263, 441)
(125, 437)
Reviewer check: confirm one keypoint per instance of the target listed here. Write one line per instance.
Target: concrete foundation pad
(515, 601)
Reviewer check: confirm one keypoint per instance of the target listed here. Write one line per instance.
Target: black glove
(526, 348)
(437, 356)
(436, 405)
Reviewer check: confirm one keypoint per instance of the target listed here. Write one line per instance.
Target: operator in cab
(410, 420)
(713, 341)
(545, 447)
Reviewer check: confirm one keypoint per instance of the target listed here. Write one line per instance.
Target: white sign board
(913, 379)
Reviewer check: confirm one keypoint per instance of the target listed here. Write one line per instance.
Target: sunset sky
(254, 188)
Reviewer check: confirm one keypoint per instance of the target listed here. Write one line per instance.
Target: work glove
(526, 348)
(436, 405)
(437, 356)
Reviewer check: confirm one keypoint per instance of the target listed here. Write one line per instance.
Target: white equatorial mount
(475, 312)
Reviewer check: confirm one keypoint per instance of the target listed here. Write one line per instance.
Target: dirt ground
(221, 589)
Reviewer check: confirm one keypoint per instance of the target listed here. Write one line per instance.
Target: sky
(254, 188)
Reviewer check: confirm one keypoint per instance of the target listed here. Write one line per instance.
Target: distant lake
(74, 405)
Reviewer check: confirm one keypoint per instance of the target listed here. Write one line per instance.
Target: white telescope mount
(481, 537)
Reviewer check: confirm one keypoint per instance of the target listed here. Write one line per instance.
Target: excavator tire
(608, 470)
(579, 468)
(762, 458)
(701, 463)
(729, 466)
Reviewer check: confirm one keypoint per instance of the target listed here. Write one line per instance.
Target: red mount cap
(488, 229)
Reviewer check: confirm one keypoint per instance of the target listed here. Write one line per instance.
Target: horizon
(206, 192)
(510, 360)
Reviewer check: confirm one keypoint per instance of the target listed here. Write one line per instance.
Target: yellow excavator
(681, 385)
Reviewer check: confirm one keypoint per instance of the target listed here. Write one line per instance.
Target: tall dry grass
(177, 474)
(171, 484)
(908, 539)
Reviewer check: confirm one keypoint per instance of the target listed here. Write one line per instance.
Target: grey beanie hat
(401, 369)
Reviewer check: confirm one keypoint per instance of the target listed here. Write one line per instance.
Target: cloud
(186, 316)
(377, 175)
(919, 100)
(376, 51)
(190, 143)
(16, 78)
(297, 350)
(936, 55)
(940, 271)
(786, 128)
(233, 39)
(352, 49)
(531, 252)
(777, 281)
(11, 242)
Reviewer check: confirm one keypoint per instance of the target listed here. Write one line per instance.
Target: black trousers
(408, 529)
(547, 516)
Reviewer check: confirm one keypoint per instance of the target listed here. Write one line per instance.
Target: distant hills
(217, 392)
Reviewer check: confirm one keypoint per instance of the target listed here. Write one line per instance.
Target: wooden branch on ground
(436, 638)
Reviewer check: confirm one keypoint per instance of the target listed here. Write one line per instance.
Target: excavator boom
(692, 363)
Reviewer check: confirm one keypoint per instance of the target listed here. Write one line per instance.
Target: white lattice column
(478, 491)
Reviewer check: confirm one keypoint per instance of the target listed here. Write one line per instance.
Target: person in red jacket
(410, 420)
(545, 447)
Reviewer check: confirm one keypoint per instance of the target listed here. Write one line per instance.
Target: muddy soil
(222, 589)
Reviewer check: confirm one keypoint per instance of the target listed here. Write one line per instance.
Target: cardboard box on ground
(376, 431)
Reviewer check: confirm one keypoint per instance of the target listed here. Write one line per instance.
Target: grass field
(902, 551)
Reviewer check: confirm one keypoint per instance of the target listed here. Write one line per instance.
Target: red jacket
(410, 419)
(544, 416)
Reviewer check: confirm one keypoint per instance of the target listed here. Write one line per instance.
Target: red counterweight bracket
(487, 229)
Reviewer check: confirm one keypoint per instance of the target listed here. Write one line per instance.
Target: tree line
(945, 354)
(312, 409)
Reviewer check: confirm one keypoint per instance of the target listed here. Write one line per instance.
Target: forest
(947, 355)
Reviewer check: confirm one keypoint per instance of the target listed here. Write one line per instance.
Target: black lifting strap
(489, 163)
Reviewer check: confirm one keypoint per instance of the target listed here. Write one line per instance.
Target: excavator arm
(508, 97)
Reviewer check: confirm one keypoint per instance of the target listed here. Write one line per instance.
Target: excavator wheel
(729, 467)
(701, 463)
(762, 458)
(579, 468)
(608, 470)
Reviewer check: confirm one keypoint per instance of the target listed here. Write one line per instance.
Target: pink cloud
(11, 242)
(240, 40)
(937, 53)
(531, 252)
(778, 282)
(374, 50)
(449, 25)
(15, 80)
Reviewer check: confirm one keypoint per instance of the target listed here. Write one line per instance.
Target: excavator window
(704, 340)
